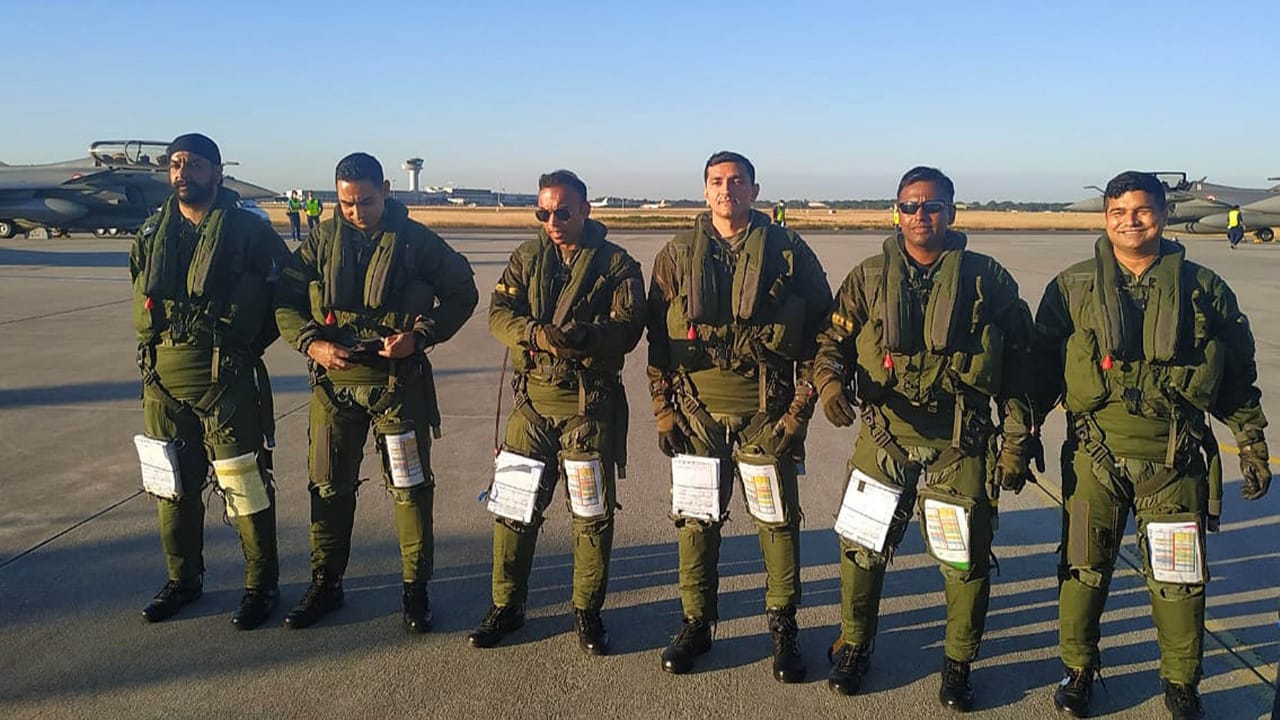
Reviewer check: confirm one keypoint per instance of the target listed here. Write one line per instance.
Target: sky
(1019, 101)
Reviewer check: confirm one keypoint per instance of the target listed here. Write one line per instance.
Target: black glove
(671, 440)
(556, 341)
(1255, 467)
(580, 336)
(835, 402)
(1013, 467)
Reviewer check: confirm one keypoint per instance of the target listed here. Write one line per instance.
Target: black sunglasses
(931, 207)
(561, 214)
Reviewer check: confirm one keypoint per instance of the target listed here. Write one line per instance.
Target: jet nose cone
(1091, 205)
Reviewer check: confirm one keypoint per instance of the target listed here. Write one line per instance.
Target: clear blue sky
(1015, 100)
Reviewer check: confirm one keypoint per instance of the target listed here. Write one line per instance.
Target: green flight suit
(1137, 368)
(202, 313)
(344, 286)
(731, 327)
(928, 349)
(566, 408)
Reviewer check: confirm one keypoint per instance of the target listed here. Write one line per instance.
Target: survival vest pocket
(315, 294)
(1086, 385)
(1199, 383)
(983, 369)
(684, 351)
(144, 320)
(247, 306)
(418, 298)
(787, 329)
(871, 358)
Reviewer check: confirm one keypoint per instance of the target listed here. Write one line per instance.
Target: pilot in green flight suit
(930, 333)
(734, 305)
(570, 306)
(1138, 343)
(365, 295)
(202, 272)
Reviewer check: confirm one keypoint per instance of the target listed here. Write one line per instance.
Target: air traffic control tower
(414, 168)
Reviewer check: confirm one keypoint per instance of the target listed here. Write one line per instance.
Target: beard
(193, 193)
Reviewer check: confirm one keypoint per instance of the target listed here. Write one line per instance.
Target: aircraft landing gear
(1265, 234)
(6, 229)
(39, 233)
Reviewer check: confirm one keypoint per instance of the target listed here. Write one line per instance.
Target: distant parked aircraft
(1196, 206)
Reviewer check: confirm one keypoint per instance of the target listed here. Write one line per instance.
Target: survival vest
(954, 346)
(735, 313)
(219, 299)
(1167, 357)
(388, 298)
(586, 297)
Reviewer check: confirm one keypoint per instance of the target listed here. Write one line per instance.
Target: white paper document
(867, 511)
(585, 479)
(947, 527)
(159, 462)
(514, 492)
(764, 494)
(403, 460)
(1175, 552)
(695, 487)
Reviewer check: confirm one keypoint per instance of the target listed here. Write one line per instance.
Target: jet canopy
(1173, 181)
(142, 154)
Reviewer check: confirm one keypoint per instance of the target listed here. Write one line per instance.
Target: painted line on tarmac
(66, 312)
(107, 509)
(60, 533)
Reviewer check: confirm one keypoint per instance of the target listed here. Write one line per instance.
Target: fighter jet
(111, 191)
(1196, 206)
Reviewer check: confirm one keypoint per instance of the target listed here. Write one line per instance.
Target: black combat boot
(323, 596)
(591, 634)
(1183, 701)
(848, 664)
(175, 595)
(788, 665)
(417, 608)
(500, 621)
(693, 640)
(255, 607)
(1073, 693)
(956, 692)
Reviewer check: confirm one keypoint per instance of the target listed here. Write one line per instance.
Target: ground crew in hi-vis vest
(569, 307)
(928, 333)
(202, 273)
(293, 209)
(1235, 226)
(734, 305)
(1138, 343)
(313, 208)
(363, 298)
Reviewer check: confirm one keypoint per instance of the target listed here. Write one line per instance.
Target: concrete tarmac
(79, 552)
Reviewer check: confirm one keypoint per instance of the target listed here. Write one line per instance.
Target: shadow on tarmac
(96, 392)
(908, 648)
(48, 258)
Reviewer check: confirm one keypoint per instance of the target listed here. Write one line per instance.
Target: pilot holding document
(922, 338)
